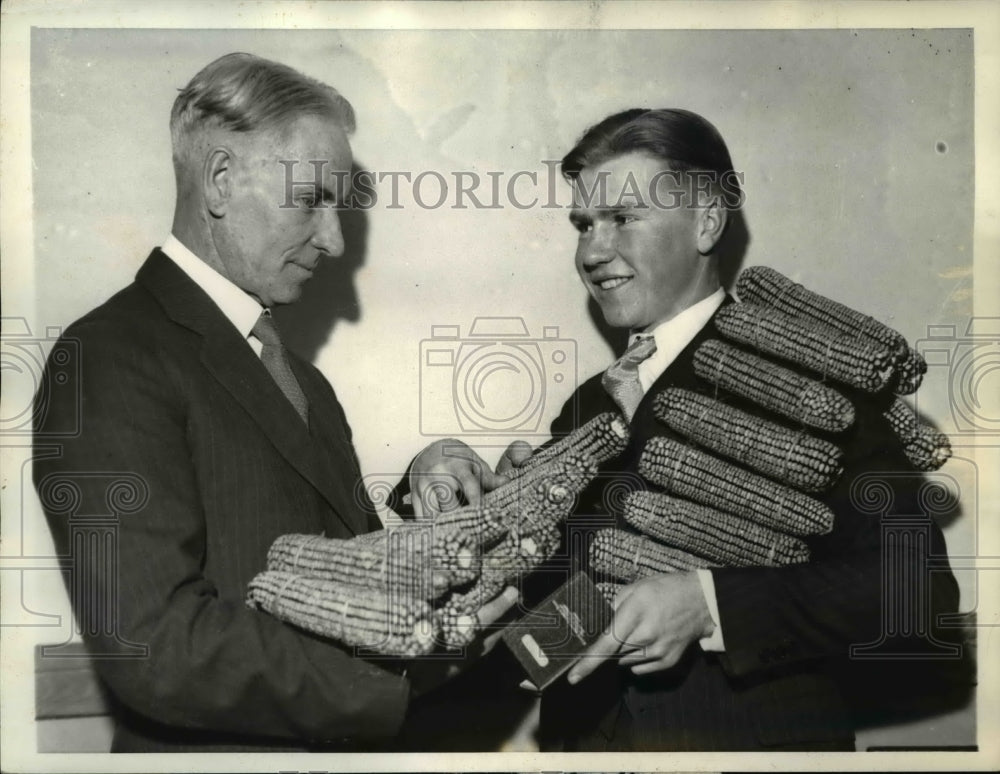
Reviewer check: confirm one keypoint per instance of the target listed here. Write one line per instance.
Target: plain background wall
(856, 147)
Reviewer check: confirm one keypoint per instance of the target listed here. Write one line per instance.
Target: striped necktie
(621, 380)
(275, 360)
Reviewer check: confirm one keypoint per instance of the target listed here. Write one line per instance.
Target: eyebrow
(577, 216)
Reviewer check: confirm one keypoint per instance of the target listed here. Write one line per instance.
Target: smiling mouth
(612, 283)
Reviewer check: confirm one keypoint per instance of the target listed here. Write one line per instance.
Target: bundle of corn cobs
(404, 590)
(739, 486)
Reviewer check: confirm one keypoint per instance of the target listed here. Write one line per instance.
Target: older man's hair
(245, 93)
(682, 140)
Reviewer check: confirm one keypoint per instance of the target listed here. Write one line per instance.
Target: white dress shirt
(239, 308)
(671, 338)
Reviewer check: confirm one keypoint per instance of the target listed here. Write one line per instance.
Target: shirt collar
(239, 308)
(675, 334)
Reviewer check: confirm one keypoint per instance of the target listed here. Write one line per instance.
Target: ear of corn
(602, 438)
(911, 369)
(609, 590)
(772, 386)
(545, 494)
(486, 524)
(791, 456)
(858, 363)
(422, 558)
(698, 476)
(720, 537)
(629, 557)
(925, 447)
(764, 285)
(354, 615)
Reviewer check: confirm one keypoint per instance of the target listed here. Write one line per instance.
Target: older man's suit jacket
(782, 626)
(174, 400)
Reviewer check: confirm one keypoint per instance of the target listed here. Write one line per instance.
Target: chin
(617, 318)
(288, 296)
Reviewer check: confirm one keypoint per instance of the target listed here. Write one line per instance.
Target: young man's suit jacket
(769, 689)
(174, 401)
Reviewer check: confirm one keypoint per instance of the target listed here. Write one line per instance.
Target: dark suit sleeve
(773, 617)
(212, 663)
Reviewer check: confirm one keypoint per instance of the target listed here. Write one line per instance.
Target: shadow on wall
(330, 295)
(731, 251)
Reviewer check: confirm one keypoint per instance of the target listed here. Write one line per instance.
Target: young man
(721, 659)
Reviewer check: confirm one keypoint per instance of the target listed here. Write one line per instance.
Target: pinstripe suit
(172, 393)
(782, 627)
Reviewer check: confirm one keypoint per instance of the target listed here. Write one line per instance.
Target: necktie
(621, 380)
(275, 360)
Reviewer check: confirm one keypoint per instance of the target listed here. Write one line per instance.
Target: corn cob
(791, 456)
(422, 558)
(610, 590)
(630, 557)
(764, 285)
(516, 555)
(457, 619)
(545, 494)
(812, 345)
(772, 386)
(911, 369)
(926, 447)
(602, 438)
(718, 536)
(698, 476)
(353, 615)
(485, 524)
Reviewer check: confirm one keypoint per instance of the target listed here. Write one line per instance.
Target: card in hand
(551, 638)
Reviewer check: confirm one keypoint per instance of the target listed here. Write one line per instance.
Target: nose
(600, 247)
(328, 238)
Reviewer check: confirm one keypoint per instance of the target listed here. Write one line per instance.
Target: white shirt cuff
(713, 643)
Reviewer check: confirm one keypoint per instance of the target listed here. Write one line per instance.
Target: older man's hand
(655, 621)
(449, 474)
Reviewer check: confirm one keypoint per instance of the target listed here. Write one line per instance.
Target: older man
(186, 388)
(721, 659)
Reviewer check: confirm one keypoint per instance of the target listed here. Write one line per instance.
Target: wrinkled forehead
(311, 150)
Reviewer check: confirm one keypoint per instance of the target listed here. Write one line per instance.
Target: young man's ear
(217, 180)
(712, 218)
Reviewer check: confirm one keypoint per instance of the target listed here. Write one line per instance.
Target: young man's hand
(655, 621)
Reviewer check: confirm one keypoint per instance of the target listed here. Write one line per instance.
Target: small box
(549, 639)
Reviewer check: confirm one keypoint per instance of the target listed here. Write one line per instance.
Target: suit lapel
(226, 355)
(336, 463)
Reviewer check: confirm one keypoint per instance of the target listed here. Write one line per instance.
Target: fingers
(469, 487)
(638, 655)
(606, 646)
(493, 480)
(657, 665)
(492, 610)
(515, 456)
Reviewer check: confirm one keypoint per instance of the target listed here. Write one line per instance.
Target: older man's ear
(217, 180)
(712, 219)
